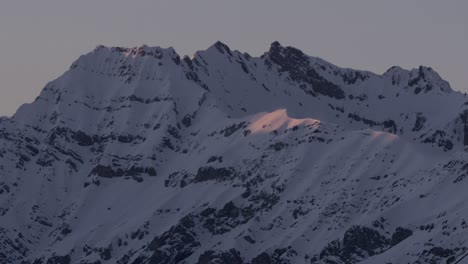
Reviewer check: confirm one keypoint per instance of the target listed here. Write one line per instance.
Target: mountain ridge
(136, 155)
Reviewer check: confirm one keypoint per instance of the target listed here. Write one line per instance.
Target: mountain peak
(426, 79)
(276, 48)
(275, 45)
(99, 59)
(422, 79)
(220, 47)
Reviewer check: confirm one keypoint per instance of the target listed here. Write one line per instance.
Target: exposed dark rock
(264, 200)
(232, 129)
(361, 97)
(297, 65)
(263, 258)
(82, 139)
(359, 242)
(174, 245)
(178, 178)
(69, 135)
(363, 238)
(229, 210)
(105, 171)
(125, 138)
(176, 59)
(439, 137)
(210, 173)
(66, 230)
(368, 122)
(400, 234)
(420, 120)
(266, 88)
(187, 121)
(464, 119)
(106, 253)
(243, 66)
(278, 146)
(215, 158)
(441, 252)
(192, 76)
(250, 239)
(109, 172)
(211, 257)
(390, 125)
(279, 256)
(174, 132)
(59, 260)
(351, 77)
(223, 48)
(225, 219)
(34, 151)
(167, 143)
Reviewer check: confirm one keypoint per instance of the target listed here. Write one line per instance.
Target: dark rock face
(441, 252)
(187, 121)
(439, 137)
(278, 146)
(360, 242)
(232, 129)
(366, 121)
(243, 66)
(400, 234)
(225, 219)
(125, 138)
(420, 120)
(215, 158)
(278, 256)
(69, 135)
(296, 64)
(363, 238)
(223, 48)
(82, 139)
(464, 119)
(176, 244)
(418, 79)
(17, 245)
(458, 169)
(109, 172)
(263, 258)
(354, 76)
(106, 253)
(178, 178)
(435, 255)
(59, 260)
(211, 257)
(210, 173)
(389, 125)
(195, 78)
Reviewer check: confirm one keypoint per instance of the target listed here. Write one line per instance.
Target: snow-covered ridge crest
(423, 77)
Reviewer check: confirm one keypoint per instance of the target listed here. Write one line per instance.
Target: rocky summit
(139, 156)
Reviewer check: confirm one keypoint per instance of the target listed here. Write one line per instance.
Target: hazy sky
(40, 39)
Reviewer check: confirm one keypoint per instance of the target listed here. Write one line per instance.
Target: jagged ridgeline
(136, 155)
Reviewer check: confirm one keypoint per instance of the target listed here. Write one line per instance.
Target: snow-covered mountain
(136, 155)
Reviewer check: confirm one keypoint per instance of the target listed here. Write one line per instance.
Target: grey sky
(40, 39)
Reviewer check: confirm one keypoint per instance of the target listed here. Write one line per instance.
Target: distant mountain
(136, 155)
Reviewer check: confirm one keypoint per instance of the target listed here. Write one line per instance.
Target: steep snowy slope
(141, 156)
